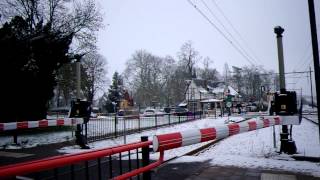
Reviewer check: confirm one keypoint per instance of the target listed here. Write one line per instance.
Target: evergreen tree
(30, 59)
(116, 92)
(35, 39)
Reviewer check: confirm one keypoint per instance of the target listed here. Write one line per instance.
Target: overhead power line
(236, 31)
(227, 31)
(304, 72)
(216, 28)
(305, 56)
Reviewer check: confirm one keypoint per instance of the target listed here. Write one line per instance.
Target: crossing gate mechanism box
(285, 103)
(80, 109)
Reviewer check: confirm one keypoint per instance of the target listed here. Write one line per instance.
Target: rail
(64, 160)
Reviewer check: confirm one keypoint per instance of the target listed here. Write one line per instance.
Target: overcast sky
(162, 26)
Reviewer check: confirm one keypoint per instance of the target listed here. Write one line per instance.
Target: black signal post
(315, 50)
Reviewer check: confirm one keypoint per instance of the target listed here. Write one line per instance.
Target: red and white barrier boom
(40, 124)
(160, 144)
(174, 140)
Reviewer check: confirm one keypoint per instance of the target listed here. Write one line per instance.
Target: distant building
(127, 101)
(200, 93)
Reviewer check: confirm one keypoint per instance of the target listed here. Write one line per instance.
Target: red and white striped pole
(179, 139)
(40, 124)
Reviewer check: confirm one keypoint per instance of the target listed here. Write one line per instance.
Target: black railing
(112, 126)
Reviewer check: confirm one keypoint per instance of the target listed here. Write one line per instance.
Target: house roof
(208, 85)
(183, 104)
(211, 100)
(205, 86)
(232, 91)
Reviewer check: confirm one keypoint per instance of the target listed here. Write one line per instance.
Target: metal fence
(113, 126)
(107, 163)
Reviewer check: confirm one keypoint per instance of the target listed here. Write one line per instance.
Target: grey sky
(162, 26)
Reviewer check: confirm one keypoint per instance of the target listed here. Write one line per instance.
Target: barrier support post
(145, 159)
(15, 137)
(139, 125)
(115, 124)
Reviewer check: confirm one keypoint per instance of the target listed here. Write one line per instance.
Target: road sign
(229, 104)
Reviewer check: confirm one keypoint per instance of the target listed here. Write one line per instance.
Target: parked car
(180, 111)
(94, 112)
(167, 109)
(121, 112)
(251, 107)
(149, 112)
(152, 112)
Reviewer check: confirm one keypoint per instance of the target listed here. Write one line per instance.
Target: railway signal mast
(285, 102)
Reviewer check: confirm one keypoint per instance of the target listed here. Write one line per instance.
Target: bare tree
(208, 73)
(94, 66)
(66, 85)
(188, 57)
(81, 18)
(144, 74)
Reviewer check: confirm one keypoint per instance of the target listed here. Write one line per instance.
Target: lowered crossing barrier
(184, 138)
(120, 158)
(40, 124)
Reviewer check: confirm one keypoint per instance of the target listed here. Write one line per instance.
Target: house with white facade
(206, 94)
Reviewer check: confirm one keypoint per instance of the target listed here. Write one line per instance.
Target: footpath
(12, 156)
(205, 171)
(167, 171)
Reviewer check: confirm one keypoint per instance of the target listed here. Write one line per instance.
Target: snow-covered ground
(150, 133)
(32, 140)
(252, 149)
(255, 149)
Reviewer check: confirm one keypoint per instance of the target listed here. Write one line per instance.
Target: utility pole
(310, 88)
(315, 50)
(284, 136)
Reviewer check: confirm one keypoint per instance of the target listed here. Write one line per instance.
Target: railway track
(315, 121)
